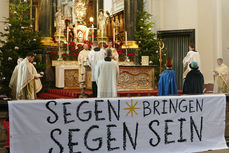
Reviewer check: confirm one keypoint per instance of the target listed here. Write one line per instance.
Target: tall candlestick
(127, 59)
(102, 38)
(92, 26)
(126, 38)
(82, 66)
(76, 35)
(67, 40)
(114, 35)
(59, 35)
(67, 34)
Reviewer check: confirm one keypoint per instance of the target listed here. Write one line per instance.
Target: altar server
(221, 77)
(25, 79)
(83, 60)
(194, 81)
(107, 72)
(191, 56)
(167, 83)
(94, 56)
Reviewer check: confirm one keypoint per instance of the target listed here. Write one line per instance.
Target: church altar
(131, 77)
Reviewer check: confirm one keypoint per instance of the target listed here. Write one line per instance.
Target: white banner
(176, 124)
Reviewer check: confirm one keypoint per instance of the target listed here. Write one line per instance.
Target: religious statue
(102, 24)
(59, 21)
(80, 11)
(116, 25)
(67, 6)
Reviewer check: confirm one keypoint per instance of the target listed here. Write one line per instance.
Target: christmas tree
(18, 39)
(148, 42)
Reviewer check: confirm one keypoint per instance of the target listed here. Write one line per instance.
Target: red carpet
(72, 93)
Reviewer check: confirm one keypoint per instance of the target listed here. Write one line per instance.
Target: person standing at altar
(191, 56)
(83, 60)
(167, 84)
(106, 75)
(221, 77)
(26, 79)
(115, 55)
(194, 81)
(94, 56)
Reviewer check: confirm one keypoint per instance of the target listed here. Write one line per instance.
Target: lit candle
(114, 35)
(92, 26)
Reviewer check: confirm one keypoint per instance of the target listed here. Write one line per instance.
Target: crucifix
(92, 28)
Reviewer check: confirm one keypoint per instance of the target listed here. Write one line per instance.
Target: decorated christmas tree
(18, 39)
(148, 42)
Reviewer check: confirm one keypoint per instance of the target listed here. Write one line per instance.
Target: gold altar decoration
(71, 79)
(80, 10)
(47, 41)
(66, 63)
(130, 44)
(126, 63)
(131, 78)
(136, 78)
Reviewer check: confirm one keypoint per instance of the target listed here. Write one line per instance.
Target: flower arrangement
(53, 55)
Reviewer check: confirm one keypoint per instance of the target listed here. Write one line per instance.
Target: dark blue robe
(194, 83)
(167, 84)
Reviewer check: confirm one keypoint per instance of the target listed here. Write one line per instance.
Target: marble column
(130, 10)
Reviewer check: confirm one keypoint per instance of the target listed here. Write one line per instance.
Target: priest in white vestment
(115, 55)
(83, 60)
(107, 72)
(94, 56)
(221, 77)
(12, 85)
(25, 80)
(192, 56)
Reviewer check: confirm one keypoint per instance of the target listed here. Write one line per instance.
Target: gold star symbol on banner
(131, 108)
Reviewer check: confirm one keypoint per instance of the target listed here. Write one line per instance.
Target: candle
(126, 38)
(102, 38)
(76, 35)
(59, 35)
(92, 26)
(67, 40)
(81, 65)
(114, 35)
(67, 34)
